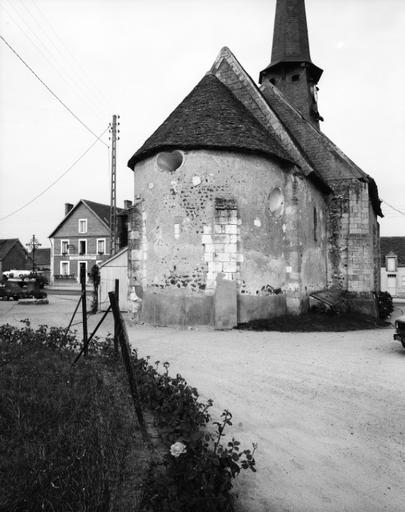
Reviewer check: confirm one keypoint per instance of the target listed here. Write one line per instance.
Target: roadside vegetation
(326, 319)
(69, 440)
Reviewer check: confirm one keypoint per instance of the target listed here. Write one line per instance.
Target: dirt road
(326, 409)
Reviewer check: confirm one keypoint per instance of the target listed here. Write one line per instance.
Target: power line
(57, 179)
(50, 90)
(49, 49)
(393, 207)
(82, 70)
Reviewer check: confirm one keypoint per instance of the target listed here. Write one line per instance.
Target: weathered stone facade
(243, 206)
(214, 216)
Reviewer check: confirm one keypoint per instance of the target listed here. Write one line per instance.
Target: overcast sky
(140, 58)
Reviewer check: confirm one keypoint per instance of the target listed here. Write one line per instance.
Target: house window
(82, 246)
(65, 268)
(295, 78)
(391, 264)
(64, 246)
(100, 245)
(82, 225)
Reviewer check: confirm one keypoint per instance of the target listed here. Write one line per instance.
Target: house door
(392, 284)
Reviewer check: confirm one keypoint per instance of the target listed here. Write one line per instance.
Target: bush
(58, 425)
(197, 470)
(385, 305)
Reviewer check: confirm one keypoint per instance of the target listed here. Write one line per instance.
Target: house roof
(211, 117)
(102, 211)
(393, 244)
(7, 244)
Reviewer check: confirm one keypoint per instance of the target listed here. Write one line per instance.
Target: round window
(169, 161)
(276, 201)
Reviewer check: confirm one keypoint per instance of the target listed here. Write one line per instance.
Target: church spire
(291, 68)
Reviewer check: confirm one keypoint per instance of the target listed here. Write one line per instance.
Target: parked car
(21, 289)
(399, 334)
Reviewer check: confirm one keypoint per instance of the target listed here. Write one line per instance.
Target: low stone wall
(177, 309)
(182, 309)
(251, 307)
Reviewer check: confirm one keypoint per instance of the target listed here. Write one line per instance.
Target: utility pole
(34, 244)
(113, 202)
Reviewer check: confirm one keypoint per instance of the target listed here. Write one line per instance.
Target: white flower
(177, 449)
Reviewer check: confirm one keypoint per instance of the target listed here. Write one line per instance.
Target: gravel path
(326, 409)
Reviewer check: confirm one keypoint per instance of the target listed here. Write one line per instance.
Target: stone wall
(353, 239)
(242, 218)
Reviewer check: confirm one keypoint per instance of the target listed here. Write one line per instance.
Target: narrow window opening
(315, 225)
(295, 78)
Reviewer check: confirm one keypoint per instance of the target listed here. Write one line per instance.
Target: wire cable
(393, 207)
(49, 50)
(50, 90)
(57, 179)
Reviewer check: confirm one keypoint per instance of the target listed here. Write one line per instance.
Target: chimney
(127, 204)
(68, 207)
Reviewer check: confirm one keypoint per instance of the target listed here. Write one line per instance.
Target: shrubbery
(385, 305)
(58, 425)
(59, 428)
(197, 470)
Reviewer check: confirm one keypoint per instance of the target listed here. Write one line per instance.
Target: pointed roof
(7, 244)
(211, 117)
(395, 245)
(102, 211)
(290, 37)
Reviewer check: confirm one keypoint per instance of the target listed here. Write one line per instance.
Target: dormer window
(82, 225)
(391, 263)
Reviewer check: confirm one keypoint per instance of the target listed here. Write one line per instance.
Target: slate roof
(43, 256)
(395, 244)
(7, 244)
(211, 117)
(329, 161)
(290, 37)
(102, 211)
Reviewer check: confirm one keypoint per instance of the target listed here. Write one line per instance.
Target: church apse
(222, 216)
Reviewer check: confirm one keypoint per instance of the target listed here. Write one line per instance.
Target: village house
(243, 207)
(393, 265)
(12, 255)
(82, 239)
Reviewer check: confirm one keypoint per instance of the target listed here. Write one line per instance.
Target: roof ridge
(270, 117)
(319, 133)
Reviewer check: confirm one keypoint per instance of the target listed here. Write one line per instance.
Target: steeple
(291, 68)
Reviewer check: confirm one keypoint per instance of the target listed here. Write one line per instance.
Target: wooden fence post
(84, 306)
(124, 343)
(116, 325)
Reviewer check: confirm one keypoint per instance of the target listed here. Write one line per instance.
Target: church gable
(228, 69)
